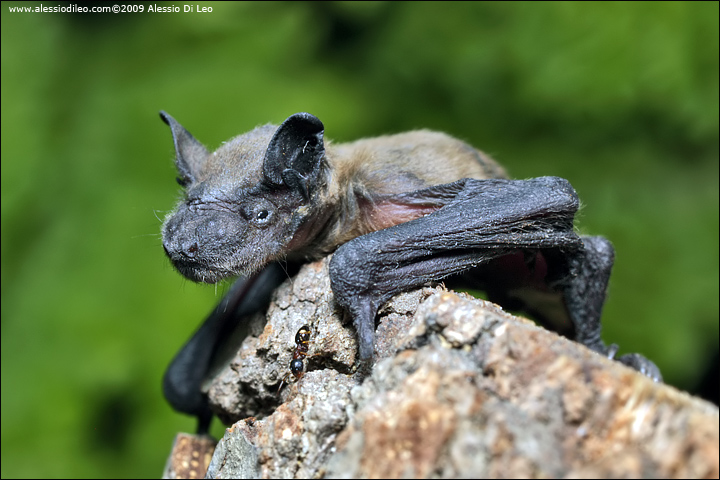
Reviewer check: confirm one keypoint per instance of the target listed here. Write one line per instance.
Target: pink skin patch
(387, 213)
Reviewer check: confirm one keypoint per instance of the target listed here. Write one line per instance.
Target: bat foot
(642, 365)
(636, 362)
(363, 367)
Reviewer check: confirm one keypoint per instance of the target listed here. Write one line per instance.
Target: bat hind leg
(516, 235)
(584, 295)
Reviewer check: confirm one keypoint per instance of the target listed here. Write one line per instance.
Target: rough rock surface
(460, 388)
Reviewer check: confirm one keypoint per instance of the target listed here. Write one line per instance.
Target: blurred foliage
(620, 98)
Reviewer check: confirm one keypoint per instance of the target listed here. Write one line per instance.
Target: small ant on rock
(302, 344)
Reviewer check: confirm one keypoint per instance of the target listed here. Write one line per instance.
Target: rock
(460, 388)
(190, 456)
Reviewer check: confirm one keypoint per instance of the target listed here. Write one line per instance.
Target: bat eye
(262, 217)
(260, 214)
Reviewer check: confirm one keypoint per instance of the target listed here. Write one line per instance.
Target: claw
(642, 365)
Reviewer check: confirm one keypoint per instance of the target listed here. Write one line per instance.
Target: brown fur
(368, 174)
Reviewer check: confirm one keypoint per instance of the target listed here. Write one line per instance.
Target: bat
(396, 211)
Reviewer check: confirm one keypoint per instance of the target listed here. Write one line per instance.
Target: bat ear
(296, 153)
(190, 154)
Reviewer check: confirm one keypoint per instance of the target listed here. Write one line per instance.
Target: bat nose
(197, 244)
(175, 248)
(178, 242)
(191, 241)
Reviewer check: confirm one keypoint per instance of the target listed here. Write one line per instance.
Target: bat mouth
(196, 270)
(201, 274)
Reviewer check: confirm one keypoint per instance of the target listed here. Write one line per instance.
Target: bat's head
(245, 204)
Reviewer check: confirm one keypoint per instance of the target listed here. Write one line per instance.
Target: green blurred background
(621, 99)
